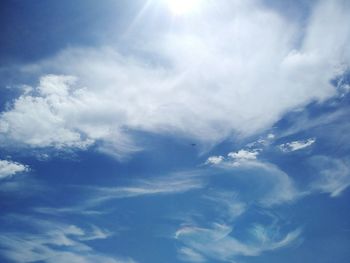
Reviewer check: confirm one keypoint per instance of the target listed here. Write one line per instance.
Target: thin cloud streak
(53, 242)
(173, 184)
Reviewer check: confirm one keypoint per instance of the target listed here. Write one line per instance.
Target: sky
(152, 131)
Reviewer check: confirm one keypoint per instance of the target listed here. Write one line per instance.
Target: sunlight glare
(180, 7)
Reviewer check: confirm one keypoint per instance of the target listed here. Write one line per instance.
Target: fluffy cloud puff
(9, 168)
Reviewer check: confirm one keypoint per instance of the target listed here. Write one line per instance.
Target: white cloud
(95, 233)
(94, 196)
(345, 89)
(171, 184)
(270, 136)
(26, 186)
(36, 120)
(80, 210)
(188, 254)
(53, 242)
(269, 184)
(235, 158)
(214, 160)
(272, 185)
(9, 168)
(216, 76)
(218, 242)
(243, 156)
(227, 203)
(333, 175)
(297, 145)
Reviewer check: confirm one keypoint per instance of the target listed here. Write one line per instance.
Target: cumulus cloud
(297, 145)
(234, 158)
(176, 95)
(243, 156)
(36, 120)
(10, 168)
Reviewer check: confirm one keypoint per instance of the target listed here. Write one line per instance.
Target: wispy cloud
(188, 254)
(10, 168)
(218, 242)
(81, 210)
(227, 203)
(280, 187)
(332, 176)
(53, 242)
(171, 184)
(96, 233)
(275, 186)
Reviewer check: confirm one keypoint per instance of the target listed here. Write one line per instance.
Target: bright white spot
(244, 155)
(179, 7)
(270, 136)
(214, 160)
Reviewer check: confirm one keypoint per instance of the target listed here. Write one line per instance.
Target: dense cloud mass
(200, 88)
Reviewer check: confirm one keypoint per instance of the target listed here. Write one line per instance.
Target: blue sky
(174, 131)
